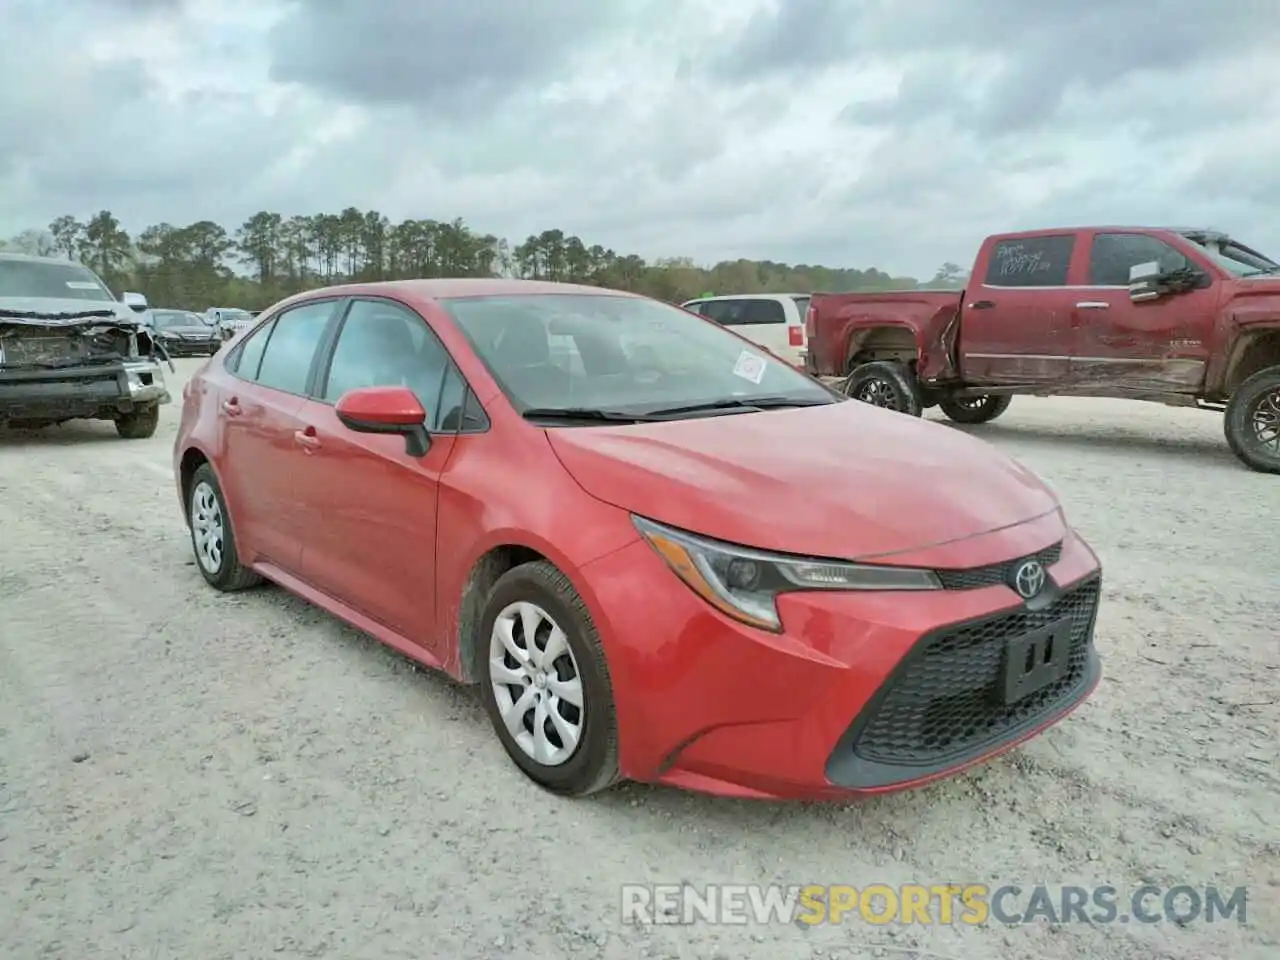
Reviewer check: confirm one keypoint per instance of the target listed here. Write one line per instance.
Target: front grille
(995, 573)
(944, 701)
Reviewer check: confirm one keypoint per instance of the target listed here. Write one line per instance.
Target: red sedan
(662, 553)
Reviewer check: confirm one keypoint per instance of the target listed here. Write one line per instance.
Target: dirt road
(188, 776)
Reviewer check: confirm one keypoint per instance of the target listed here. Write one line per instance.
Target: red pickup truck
(1176, 316)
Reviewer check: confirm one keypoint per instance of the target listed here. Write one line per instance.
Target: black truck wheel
(974, 409)
(885, 384)
(139, 424)
(1252, 421)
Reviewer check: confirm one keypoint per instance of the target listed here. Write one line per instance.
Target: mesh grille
(997, 572)
(945, 701)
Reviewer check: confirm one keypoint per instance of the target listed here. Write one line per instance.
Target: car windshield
(624, 356)
(1235, 257)
(46, 280)
(173, 318)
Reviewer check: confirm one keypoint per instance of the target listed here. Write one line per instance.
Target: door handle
(307, 438)
(232, 407)
(982, 305)
(1093, 305)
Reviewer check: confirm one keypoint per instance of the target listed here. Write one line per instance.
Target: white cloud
(847, 135)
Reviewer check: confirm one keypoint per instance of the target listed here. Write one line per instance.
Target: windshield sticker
(750, 366)
(81, 285)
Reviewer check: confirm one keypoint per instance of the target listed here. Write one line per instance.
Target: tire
(139, 424)
(975, 410)
(1254, 408)
(591, 765)
(224, 573)
(885, 384)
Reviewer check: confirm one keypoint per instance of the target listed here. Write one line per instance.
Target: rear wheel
(885, 384)
(545, 683)
(139, 424)
(212, 538)
(1252, 421)
(974, 409)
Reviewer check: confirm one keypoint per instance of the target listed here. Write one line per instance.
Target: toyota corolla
(660, 552)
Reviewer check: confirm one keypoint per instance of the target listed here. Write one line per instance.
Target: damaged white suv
(69, 350)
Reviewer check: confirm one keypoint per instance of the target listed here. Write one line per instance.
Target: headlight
(744, 583)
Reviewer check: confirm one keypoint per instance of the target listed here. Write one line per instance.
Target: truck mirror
(1142, 281)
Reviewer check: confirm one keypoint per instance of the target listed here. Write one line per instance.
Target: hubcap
(206, 527)
(537, 683)
(1266, 423)
(878, 393)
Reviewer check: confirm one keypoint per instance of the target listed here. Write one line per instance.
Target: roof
(31, 258)
(747, 296)
(1108, 228)
(445, 287)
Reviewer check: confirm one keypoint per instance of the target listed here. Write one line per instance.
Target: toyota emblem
(1029, 580)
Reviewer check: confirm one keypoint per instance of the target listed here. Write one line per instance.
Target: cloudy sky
(844, 132)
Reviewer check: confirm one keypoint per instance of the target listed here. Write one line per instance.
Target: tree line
(271, 256)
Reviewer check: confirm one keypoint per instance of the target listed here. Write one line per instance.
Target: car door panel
(375, 550)
(1017, 325)
(1152, 344)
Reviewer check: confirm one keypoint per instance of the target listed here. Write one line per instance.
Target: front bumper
(193, 348)
(92, 391)
(863, 693)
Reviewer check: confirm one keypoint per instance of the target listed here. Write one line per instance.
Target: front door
(374, 548)
(1016, 324)
(1160, 344)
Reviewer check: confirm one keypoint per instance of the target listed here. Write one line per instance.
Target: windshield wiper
(585, 413)
(743, 404)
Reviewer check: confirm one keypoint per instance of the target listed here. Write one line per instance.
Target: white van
(773, 320)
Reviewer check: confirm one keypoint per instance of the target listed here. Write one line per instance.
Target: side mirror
(1143, 281)
(134, 301)
(386, 410)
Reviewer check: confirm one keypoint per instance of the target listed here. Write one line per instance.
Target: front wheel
(1252, 421)
(974, 409)
(139, 424)
(545, 683)
(885, 384)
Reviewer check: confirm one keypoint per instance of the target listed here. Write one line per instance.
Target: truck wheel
(1252, 421)
(974, 409)
(139, 424)
(885, 384)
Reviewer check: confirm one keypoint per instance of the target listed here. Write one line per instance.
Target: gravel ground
(192, 776)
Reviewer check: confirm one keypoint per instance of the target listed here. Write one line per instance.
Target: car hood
(54, 310)
(845, 480)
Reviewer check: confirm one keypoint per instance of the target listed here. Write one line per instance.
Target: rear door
(266, 385)
(1017, 323)
(1162, 342)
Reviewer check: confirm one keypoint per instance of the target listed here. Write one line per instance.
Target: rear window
(1031, 261)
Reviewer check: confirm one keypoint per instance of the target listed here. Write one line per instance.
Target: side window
(1031, 262)
(249, 357)
(1114, 253)
(697, 306)
(723, 312)
(383, 344)
(459, 409)
(762, 311)
(286, 363)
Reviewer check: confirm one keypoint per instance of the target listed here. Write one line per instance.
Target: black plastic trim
(846, 769)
